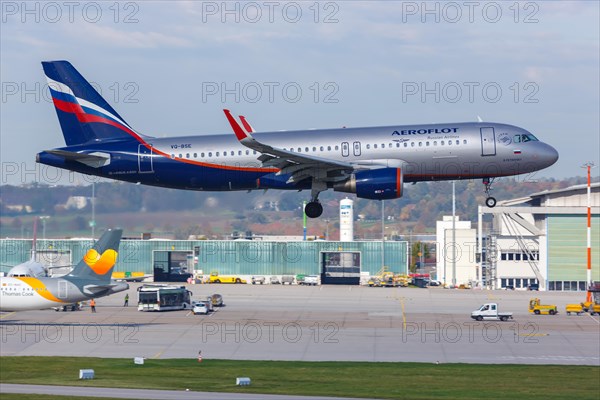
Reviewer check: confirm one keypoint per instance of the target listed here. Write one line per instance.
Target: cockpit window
(529, 138)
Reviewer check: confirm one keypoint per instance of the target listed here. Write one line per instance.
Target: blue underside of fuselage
(165, 172)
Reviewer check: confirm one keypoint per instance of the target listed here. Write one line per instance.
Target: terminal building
(541, 241)
(336, 262)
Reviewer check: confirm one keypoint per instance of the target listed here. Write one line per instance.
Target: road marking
(593, 319)
(157, 355)
(7, 315)
(533, 334)
(403, 315)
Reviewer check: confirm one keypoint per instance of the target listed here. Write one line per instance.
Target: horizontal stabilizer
(94, 160)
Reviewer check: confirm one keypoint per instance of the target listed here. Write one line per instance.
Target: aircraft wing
(94, 160)
(300, 166)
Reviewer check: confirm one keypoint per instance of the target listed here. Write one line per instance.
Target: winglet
(237, 129)
(247, 126)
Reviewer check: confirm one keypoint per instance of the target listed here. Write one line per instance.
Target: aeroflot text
(424, 131)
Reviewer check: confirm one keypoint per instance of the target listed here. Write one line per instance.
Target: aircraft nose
(548, 154)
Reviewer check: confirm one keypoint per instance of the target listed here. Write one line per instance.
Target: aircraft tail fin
(83, 113)
(98, 262)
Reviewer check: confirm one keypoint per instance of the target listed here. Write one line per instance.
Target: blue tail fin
(83, 114)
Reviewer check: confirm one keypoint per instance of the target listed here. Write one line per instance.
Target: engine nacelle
(375, 184)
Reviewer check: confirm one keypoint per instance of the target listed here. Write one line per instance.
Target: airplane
(91, 278)
(372, 162)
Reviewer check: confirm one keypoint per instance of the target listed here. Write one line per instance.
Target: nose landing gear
(489, 201)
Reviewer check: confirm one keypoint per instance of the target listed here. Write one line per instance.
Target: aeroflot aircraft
(373, 162)
(91, 278)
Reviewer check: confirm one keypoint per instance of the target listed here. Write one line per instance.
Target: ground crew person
(126, 300)
(93, 305)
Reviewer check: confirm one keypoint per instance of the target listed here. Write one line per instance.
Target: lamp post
(382, 234)
(44, 218)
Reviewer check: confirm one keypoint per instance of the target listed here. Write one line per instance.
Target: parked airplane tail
(98, 262)
(83, 114)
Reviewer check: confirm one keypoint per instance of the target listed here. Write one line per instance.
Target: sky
(169, 68)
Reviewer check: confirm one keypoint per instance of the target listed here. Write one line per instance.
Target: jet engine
(375, 184)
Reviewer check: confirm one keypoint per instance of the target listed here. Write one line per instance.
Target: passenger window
(195, 155)
(442, 143)
(180, 155)
(232, 153)
(337, 148)
(458, 142)
(368, 146)
(217, 154)
(172, 155)
(449, 142)
(299, 150)
(465, 141)
(239, 152)
(420, 144)
(210, 153)
(254, 152)
(427, 143)
(517, 139)
(321, 148)
(202, 155)
(412, 144)
(247, 152)
(397, 144)
(405, 144)
(306, 149)
(314, 149)
(187, 155)
(435, 142)
(375, 146)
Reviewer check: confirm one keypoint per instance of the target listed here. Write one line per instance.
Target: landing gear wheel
(490, 202)
(314, 209)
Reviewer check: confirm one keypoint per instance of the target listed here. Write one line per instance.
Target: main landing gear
(313, 208)
(489, 201)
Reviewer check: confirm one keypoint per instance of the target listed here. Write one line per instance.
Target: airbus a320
(371, 162)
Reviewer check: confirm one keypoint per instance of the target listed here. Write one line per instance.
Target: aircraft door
(145, 159)
(345, 149)
(356, 148)
(488, 142)
(62, 289)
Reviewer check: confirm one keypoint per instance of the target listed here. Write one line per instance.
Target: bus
(163, 298)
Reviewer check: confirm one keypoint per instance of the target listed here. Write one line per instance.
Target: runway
(322, 323)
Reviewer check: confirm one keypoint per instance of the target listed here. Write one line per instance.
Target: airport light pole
(454, 233)
(382, 234)
(589, 167)
(93, 221)
(44, 218)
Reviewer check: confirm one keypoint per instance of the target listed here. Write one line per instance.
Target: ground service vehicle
(311, 280)
(535, 307)
(274, 280)
(217, 300)
(489, 311)
(258, 280)
(200, 307)
(163, 298)
(216, 278)
(289, 279)
(574, 308)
